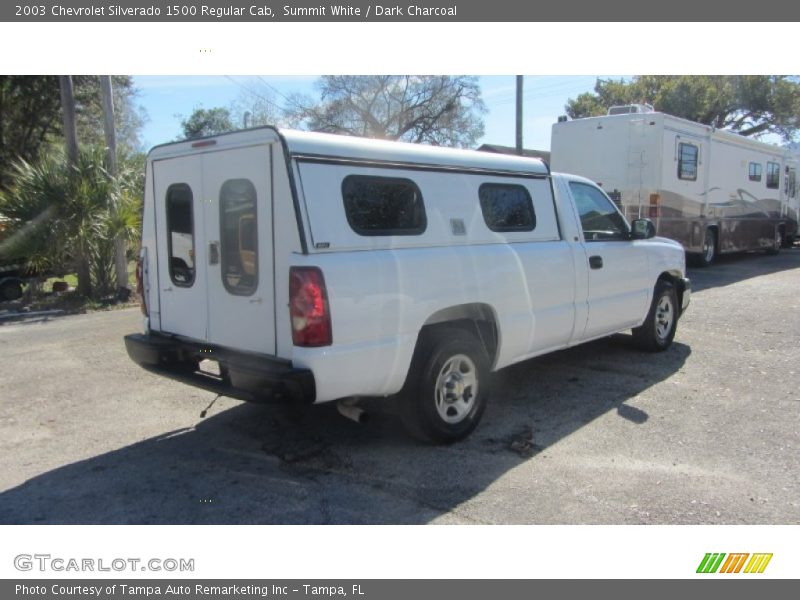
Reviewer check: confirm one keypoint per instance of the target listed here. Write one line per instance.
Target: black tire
(787, 241)
(658, 330)
(709, 254)
(10, 290)
(446, 358)
(777, 244)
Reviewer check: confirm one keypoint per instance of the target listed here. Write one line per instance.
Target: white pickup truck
(317, 267)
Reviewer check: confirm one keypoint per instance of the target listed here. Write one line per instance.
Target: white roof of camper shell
(304, 143)
(322, 144)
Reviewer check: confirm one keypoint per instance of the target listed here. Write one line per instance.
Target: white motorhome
(712, 190)
(319, 267)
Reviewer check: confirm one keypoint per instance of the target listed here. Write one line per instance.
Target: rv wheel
(447, 386)
(709, 253)
(777, 243)
(658, 330)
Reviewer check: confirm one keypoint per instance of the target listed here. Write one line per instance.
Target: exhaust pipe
(348, 408)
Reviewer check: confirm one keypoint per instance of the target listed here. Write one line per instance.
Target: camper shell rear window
(239, 236)
(180, 234)
(383, 205)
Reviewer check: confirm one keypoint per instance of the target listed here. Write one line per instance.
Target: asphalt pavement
(707, 432)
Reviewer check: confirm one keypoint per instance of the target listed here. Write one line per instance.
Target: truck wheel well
(478, 319)
(675, 280)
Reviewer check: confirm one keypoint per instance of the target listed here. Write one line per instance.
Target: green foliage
(128, 117)
(62, 218)
(31, 121)
(440, 110)
(206, 122)
(751, 105)
(30, 117)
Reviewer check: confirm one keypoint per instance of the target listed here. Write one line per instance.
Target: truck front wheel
(447, 387)
(658, 330)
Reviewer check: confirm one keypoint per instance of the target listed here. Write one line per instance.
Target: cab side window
(600, 219)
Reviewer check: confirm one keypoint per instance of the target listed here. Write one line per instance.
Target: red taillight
(140, 287)
(308, 307)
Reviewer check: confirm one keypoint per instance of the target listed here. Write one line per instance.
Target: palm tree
(60, 217)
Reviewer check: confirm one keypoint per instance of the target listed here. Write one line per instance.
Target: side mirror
(643, 229)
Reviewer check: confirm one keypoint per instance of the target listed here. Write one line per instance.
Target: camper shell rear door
(214, 237)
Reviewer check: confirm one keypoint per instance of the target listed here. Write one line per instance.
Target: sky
(168, 99)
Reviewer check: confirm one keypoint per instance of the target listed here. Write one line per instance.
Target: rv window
(755, 171)
(507, 207)
(383, 205)
(180, 234)
(238, 236)
(773, 175)
(599, 218)
(792, 183)
(687, 161)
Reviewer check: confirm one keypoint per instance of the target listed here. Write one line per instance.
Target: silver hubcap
(665, 315)
(456, 389)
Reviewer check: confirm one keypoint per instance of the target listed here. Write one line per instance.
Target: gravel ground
(707, 432)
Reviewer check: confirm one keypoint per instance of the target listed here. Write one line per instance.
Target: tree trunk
(84, 273)
(120, 248)
(68, 109)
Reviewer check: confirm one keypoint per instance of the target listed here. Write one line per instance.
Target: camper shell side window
(180, 234)
(507, 207)
(376, 205)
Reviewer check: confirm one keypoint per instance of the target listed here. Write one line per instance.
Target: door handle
(168, 289)
(256, 301)
(213, 253)
(596, 262)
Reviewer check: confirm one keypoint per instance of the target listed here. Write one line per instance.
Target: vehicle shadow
(273, 464)
(733, 268)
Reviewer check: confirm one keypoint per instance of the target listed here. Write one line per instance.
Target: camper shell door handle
(213, 253)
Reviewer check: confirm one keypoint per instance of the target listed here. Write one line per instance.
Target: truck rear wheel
(447, 386)
(658, 330)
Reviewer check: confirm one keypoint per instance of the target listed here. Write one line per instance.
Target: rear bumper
(243, 375)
